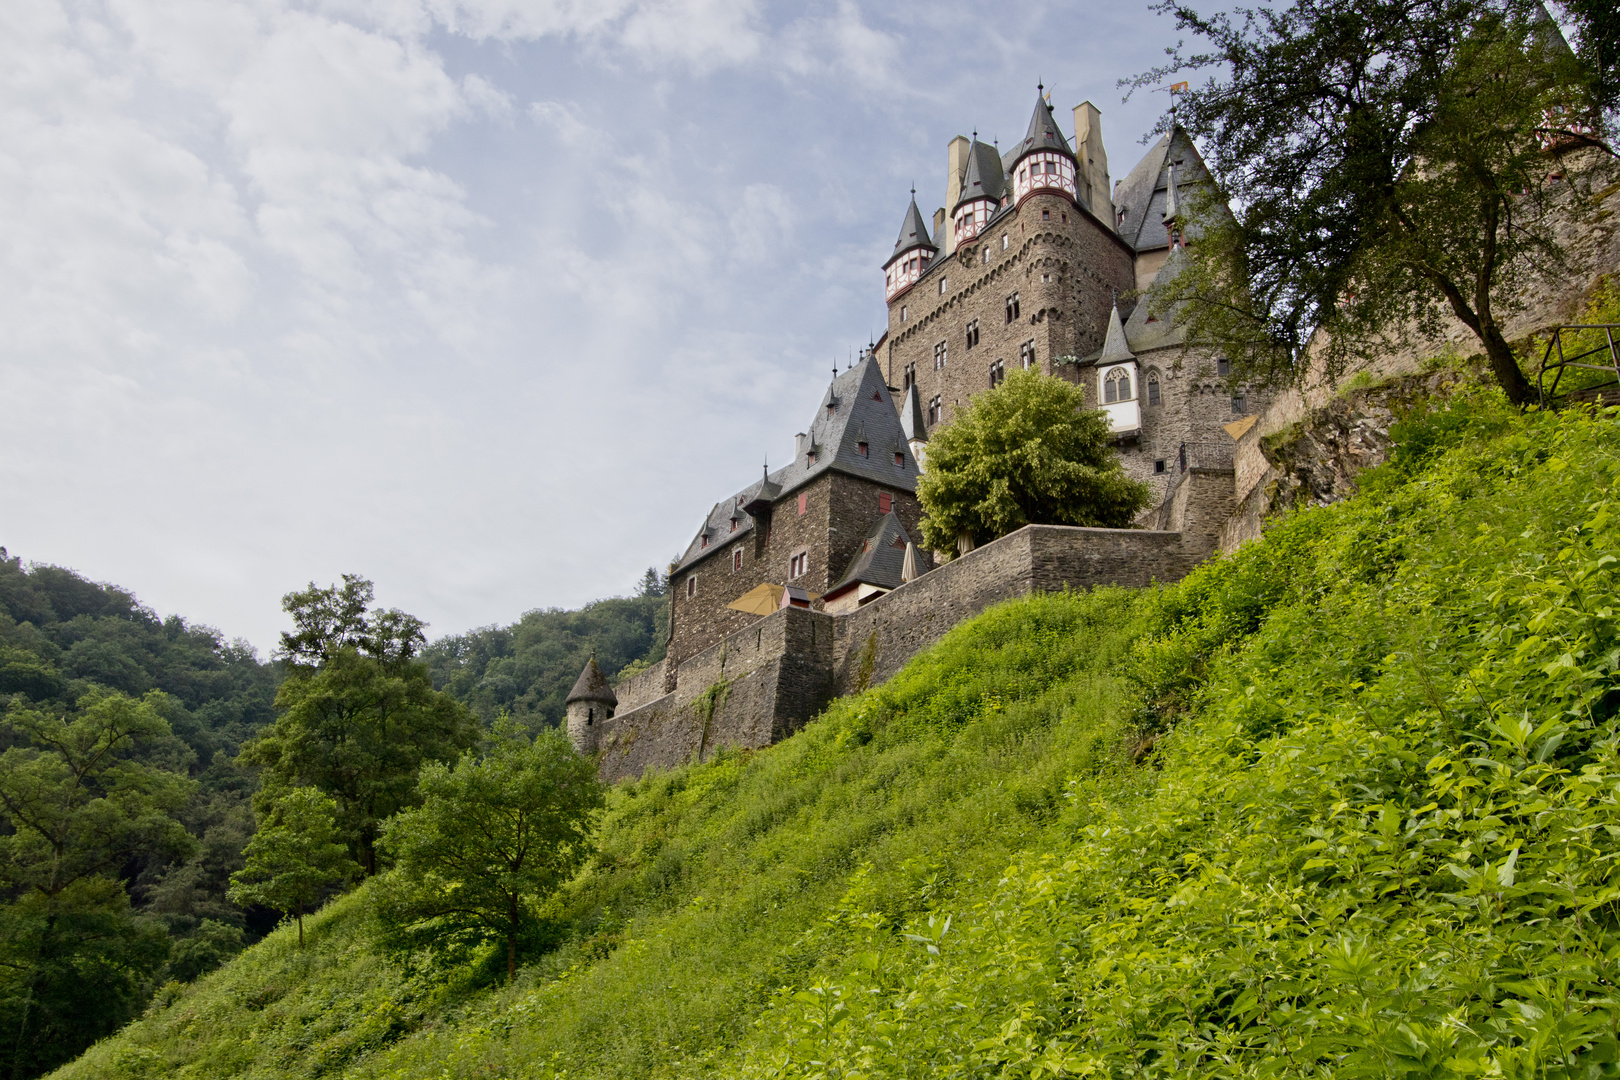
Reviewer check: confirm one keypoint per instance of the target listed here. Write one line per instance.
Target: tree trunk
(1505, 366)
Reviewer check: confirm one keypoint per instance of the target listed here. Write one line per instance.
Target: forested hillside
(1343, 803)
(528, 668)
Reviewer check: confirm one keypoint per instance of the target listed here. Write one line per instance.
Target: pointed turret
(1172, 212)
(1115, 350)
(983, 185)
(913, 251)
(589, 703)
(1043, 161)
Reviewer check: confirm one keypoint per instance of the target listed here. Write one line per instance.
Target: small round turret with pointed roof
(1043, 161)
(913, 252)
(589, 703)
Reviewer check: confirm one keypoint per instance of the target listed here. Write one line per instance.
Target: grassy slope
(1379, 837)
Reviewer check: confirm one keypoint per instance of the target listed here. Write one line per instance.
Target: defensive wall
(758, 685)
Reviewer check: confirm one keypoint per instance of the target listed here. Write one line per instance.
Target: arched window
(1117, 386)
(1153, 389)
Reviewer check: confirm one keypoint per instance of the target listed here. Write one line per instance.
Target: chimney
(1088, 147)
(801, 443)
(939, 223)
(958, 153)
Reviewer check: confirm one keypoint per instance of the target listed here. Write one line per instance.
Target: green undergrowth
(1346, 803)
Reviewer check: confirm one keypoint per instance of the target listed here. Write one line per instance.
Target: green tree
(360, 714)
(1028, 452)
(1387, 159)
(295, 857)
(495, 834)
(78, 808)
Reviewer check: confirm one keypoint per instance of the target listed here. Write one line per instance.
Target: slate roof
(1144, 192)
(1138, 334)
(592, 685)
(1115, 350)
(1043, 134)
(913, 233)
(879, 561)
(912, 423)
(865, 412)
(984, 177)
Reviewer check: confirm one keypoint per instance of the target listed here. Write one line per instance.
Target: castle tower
(983, 186)
(913, 252)
(589, 703)
(1043, 161)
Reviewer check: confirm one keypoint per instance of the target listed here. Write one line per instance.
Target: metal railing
(1606, 351)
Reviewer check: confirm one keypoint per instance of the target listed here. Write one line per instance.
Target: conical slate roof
(911, 417)
(984, 178)
(1115, 350)
(592, 685)
(1043, 133)
(913, 233)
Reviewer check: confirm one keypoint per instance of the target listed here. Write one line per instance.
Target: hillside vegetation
(1347, 803)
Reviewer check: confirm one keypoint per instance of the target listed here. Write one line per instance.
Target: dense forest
(126, 800)
(528, 668)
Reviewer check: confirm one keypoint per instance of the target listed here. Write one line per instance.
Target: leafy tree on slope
(1027, 452)
(495, 834)
(295, 857)
(1387, 159)
(360, 715)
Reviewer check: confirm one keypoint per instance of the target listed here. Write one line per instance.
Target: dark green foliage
(528, 668)
(359, 713)
(1028, 452)
(78, 805)
(1387, 162)
(496, 834)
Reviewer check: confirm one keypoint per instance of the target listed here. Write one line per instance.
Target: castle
(809, 582)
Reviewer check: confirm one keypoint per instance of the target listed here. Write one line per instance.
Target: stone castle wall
(758, 685)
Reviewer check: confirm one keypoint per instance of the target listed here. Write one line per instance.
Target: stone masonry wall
(758, 685)
(637, 690)
(1065, 268)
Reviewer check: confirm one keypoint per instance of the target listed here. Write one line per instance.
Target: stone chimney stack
(1088, 147)
(958, 154)
(939, 228)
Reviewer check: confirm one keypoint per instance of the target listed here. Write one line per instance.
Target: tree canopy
(359, 715)
(1388, 165)
(1027, 452)
(494, 834)
(295, 858)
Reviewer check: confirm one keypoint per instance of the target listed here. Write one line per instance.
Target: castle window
(798, 564)
(736, 559)
(860, 448)
(944, 283)
(1160, 466)
(1237, 404)
(1117, 386)
(936, 410)
(1004, 240)
(885, 502)
(804, 501)
(1012, 307)
(832, 408)
(1153, 390)
(704, 542)
(691, 586)
(902, 313)
(734, 524)
(973, 333)
(1046, 215)
(939, 356)
(1223, 367)
(1046, 279)
(908, 376)
(899, 459)
(984, 255)
(1026, 355)
(1065, 217)
(998, 374)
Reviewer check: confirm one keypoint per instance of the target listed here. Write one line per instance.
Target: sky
(485, 300)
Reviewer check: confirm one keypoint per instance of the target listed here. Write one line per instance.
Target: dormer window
(899, 459)
(832, 408)
(703, 542)
(860, 448)
(733, 524)
(885, 502)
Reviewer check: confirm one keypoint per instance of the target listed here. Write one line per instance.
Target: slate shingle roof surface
(879, 561)
(1043, 134)
(592, 685)
(1144, 191)
(865, 411)
(985, 178)
(913, 233)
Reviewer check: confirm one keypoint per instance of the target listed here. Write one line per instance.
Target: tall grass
(1343, 803)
